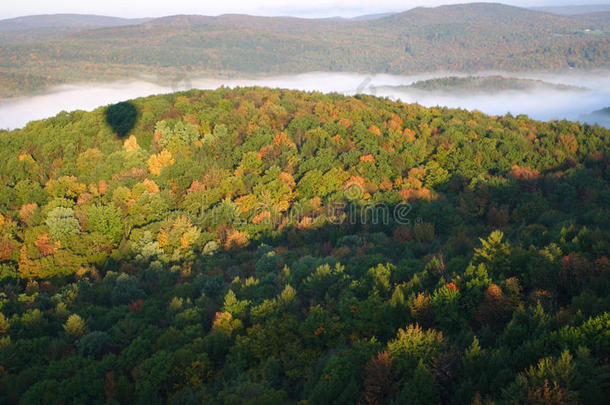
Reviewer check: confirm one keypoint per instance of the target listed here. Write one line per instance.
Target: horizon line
(298, 13)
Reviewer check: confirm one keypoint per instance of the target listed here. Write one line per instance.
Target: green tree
(62, 223)
(105, 220)
(74, 326)
(494, 253)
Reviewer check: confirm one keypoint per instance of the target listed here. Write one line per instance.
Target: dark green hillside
(257, 246)
(461, 38)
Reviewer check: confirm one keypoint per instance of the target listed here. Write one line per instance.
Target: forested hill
(37, 22)
(52, 27)
(484, 84)
(249, 245)
(468, 37)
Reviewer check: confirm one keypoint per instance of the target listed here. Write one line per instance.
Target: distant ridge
(372, 16)
(574, 10)
(35, 22)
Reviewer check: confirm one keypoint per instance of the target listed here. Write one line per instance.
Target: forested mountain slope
(468, 37)
(270, 246)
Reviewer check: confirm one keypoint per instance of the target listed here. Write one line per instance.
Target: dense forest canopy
(269, 246)
(466, 38)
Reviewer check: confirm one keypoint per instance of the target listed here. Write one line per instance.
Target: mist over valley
(540, 96)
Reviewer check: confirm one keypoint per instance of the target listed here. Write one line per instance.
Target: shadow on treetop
(122, 117)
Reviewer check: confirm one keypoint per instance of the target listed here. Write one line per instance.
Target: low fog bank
(542, 104)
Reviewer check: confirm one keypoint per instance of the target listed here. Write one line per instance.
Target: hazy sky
(304, 8)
